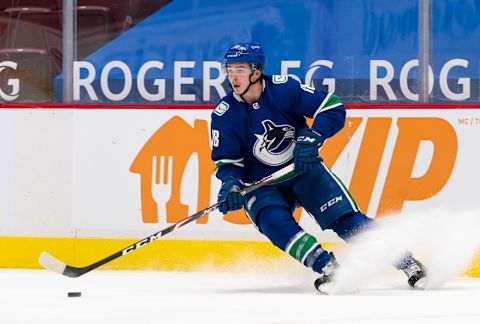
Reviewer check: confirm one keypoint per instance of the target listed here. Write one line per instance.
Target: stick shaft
(51, 263)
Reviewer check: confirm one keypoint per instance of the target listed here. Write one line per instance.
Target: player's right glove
(305, 154)
(229, 195)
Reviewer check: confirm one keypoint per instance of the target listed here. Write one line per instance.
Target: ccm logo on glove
(305, 155)
(305, 139)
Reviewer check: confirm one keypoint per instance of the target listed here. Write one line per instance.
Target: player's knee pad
(350, 224)
(266, 197)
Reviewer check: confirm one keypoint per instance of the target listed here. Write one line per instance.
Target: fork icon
(161, 182)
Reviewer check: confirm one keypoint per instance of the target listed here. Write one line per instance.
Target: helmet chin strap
(249, 85)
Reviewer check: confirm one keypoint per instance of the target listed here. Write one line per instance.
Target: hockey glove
(306, 150)
(229, 195)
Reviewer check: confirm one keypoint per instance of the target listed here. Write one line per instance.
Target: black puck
(74, 294)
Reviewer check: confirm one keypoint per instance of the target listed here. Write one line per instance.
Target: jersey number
(215, 137)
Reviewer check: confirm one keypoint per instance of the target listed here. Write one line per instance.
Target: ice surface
(368, 289)
(40, 296)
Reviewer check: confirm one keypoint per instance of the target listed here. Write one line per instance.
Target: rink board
(164, 255)
(83, 180)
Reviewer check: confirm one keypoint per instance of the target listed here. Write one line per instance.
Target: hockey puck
(74, 294)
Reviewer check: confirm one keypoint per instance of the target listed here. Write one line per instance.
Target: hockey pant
(323, 196)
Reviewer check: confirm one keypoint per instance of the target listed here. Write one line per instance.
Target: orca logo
(275, 146)
(14, 83)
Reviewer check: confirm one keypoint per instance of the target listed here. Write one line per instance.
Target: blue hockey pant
(323, 196)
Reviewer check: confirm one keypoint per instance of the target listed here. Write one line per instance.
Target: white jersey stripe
(320, 108)
(238, 162)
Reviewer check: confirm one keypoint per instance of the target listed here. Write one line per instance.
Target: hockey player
(258, 128)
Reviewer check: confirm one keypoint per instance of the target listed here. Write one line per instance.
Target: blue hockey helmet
(245, 53)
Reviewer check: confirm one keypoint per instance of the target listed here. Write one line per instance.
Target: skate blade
(421, 284)
(325, 289)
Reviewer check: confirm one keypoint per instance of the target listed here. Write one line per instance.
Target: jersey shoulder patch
(221, 108)
(278, 79)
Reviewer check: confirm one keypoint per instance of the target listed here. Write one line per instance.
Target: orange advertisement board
(138, 170)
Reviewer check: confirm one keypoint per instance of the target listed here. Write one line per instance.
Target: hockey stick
(50, 262)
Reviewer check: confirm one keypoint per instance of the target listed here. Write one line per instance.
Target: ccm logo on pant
(330, 203)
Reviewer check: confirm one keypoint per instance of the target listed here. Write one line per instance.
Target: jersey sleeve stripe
(331, 107)
(238, 162)
(330, 101)
(324, 102)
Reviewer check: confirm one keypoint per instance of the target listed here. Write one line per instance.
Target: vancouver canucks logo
(275, 146)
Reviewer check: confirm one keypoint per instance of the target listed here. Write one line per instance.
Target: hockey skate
(415, 271)
(324, 282)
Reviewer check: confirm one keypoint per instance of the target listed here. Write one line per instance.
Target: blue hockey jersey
(253, 141)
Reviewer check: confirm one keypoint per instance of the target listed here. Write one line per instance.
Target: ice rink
(40, 296)
(368, 288)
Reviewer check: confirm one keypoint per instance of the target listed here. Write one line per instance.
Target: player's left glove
(306, 150)
(229, 195)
